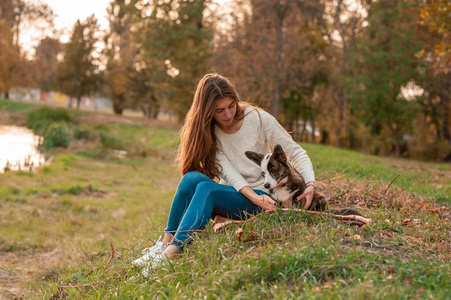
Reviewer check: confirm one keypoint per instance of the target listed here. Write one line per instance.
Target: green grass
(76, 225)
(14, 106)
(140, 141)
(290, 257)
(26, 107)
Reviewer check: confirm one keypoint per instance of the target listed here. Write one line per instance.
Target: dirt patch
(18, 268)
(12, 118)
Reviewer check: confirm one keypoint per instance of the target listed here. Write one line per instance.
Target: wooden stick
(390, 184)
(221, 222)
(359, 219)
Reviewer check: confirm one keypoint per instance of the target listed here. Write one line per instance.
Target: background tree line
(368, 75)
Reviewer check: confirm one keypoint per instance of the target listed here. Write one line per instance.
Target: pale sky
(68, 12)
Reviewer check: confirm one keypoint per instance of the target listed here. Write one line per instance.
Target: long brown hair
(197, 151)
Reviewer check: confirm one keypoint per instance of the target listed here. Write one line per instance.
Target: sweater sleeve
(276, 134)
(229, 173)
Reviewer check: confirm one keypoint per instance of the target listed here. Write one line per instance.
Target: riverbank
(18, 149)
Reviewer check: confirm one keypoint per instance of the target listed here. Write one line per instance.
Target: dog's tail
(345, 212)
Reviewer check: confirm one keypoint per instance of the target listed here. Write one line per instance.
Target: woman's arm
(276, 134)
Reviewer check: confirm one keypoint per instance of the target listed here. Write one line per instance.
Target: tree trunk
(313, 131)
(397, 147)
(324, 137)
(117, 109)
(445, 93)
(397, 138)
(304, 129)
(281, 12)
(341, 117)
(155, 112)
(276, 92)
(78, 103)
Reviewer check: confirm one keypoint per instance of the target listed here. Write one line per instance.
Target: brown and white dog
(285, 183)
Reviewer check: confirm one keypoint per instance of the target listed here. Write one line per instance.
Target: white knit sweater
(260, 132)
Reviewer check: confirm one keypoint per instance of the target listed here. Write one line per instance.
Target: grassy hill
(71, 228)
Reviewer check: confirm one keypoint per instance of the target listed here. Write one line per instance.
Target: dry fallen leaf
(408, 221)
(419, 291)
(326, 286)
(239, 233)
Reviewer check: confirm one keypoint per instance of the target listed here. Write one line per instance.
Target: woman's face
(225, 112)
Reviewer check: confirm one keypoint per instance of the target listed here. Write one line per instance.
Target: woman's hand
(308, 195)
(264, 201)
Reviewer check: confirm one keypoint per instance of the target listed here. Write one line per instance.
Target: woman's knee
(189, 183)
(207, 189)
(194, 178)
(207, 186)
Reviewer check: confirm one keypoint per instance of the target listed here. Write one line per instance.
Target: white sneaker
(149, 254)
(156, 261)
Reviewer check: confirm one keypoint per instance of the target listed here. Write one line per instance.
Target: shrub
(110, 142)
(57, 136)
(39, 120)
(82, 133)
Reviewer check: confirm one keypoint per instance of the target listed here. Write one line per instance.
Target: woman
(218, 129)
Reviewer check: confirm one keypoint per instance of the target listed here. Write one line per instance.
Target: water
(18, 149)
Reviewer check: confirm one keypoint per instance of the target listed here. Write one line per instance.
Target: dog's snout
(267, 185)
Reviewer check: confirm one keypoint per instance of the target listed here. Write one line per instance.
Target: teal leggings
(199, 198)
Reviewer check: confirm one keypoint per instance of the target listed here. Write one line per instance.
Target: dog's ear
(255, 157)
(279, 154)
